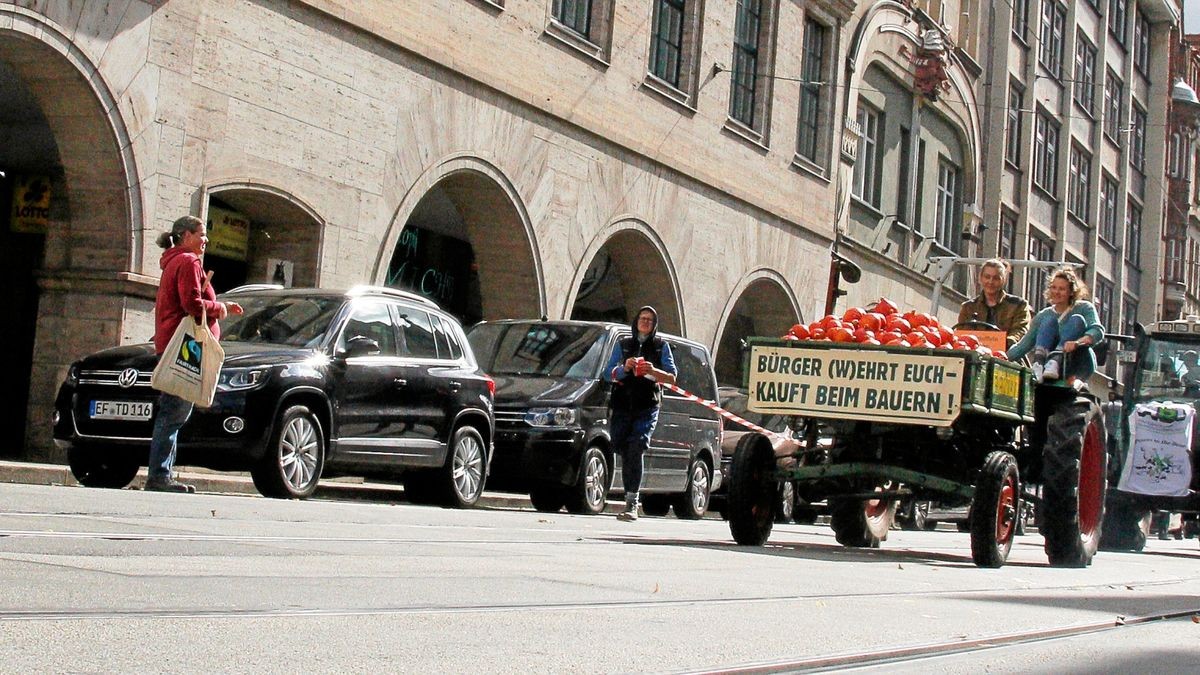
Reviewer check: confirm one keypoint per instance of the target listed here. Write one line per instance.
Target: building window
(1128, 315)
(1050, 44)
(1012, 134)
(1116, 19)
(1020, 18)
(1175, 260)
(746, 47)
(1141, 44)
(1112, 106)
(1040, 248)
(576, 15)
(1133, 234)
(812, 71)
(1104, 302)
(666, 49)
(869, 166)
(1079, 185)
(1008, 236)
(949, 212)
(1085, 75)
(1045, 153)
(1108, 209)
(1137, 138)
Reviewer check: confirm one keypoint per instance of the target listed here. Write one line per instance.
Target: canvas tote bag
(191, 364)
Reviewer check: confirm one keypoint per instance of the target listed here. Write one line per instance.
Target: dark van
(552, 437)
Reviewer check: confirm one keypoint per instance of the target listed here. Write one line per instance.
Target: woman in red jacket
(183, 291)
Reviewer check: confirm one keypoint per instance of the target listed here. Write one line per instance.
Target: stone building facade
(1181, 236)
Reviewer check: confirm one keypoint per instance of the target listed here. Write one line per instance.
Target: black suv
(552, 437)
(370, 381)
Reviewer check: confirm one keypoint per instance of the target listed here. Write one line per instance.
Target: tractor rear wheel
(1075, 470)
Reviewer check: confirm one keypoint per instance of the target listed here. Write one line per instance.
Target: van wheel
(546, 498)
(693, 501)
(590, 492)
(111, 468)
(291, 467)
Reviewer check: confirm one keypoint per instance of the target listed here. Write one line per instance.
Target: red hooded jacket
(180, 295)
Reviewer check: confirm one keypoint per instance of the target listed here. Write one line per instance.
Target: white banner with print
(1158, 461)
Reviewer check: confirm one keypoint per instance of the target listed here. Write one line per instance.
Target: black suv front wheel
(292, 464)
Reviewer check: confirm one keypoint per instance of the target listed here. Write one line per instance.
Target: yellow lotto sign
(31, 204)
(228, 233)
(855, 384)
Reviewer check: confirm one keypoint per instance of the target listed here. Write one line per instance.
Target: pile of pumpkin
(883, 324)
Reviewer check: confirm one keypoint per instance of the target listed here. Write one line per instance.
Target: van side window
(695, 373)
(416, 333)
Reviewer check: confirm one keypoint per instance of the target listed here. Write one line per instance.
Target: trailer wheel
(1125, 528)
(753, 494)
(994, 511)
(861, 523)
(1075, 474)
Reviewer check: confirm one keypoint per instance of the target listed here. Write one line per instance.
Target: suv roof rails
(247, 288)
(391, 292)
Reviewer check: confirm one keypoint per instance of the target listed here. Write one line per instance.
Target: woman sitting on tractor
(1068, 323)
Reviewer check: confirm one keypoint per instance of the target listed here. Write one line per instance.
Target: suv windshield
(297, 320)
(539, 349)
(1168, 369)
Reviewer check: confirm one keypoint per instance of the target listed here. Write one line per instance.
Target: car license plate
(122, 410)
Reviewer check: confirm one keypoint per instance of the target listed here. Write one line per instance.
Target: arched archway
(627, 267)
(71, 220)
(762, 306)
(260, 234)
(463, 238)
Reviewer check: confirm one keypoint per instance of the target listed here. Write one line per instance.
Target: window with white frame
(1020, 19)
(1050, 44)
(1104, 301)
(1116, 19)
(1085, 74)
(812, 90)
(1137, 138)
(1113, 88)
(1079, 184)
(1007, 244)
(949, 213)
(1040, 248)
(868, 167)
(1175, 260)
(1108, 208)
(666, 46)
(1128, 315)
(1045, 153)
(1012, 132)
(1133, 234)
(576, 15)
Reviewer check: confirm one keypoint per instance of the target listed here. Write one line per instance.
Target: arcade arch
(628, 270)
(762, 306)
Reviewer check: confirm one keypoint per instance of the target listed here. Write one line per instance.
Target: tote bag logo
(189, 355)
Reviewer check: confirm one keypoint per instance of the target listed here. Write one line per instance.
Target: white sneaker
(629, 515)
(1038, 372)
(1051, 370)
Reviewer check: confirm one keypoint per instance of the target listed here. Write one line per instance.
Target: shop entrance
(260, 235)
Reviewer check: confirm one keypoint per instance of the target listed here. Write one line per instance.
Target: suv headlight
(240, 379)
(72, 375)
(551, 417)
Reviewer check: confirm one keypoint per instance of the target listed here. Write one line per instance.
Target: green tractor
(1154, 436)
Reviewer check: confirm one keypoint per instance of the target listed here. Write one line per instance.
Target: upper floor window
(868, 169)
(1020, 18)
(1116, 19)
(1085, 74)
(575, 14)
(584, 25)
(1045, 153)
(666, 49)
(1133, 234)
(1008, 235)
(751, 52)
(1137, 138)
(1113, 89)
(1040, 248)
(812, 88)
(1141, 44)
(948, 213)
(1104, 302)
(1079, 188)
(1128, 315)
(1050, 44)
(1012, 133)
(1108, 208)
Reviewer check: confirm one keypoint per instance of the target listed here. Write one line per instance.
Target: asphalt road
(95, 580)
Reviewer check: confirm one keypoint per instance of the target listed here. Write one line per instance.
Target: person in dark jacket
(1009, 313)
(183, 291)
(636, 367)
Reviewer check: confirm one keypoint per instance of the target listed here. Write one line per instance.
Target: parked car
(791, 506)
(371, 381)
(552, 437)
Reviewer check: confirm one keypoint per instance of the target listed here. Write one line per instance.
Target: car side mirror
(361, 346)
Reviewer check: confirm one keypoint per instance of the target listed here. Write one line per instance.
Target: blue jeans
(171, 414)
(631, 432)
(1050, 338)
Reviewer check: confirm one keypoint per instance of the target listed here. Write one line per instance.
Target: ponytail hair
(180, 227)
